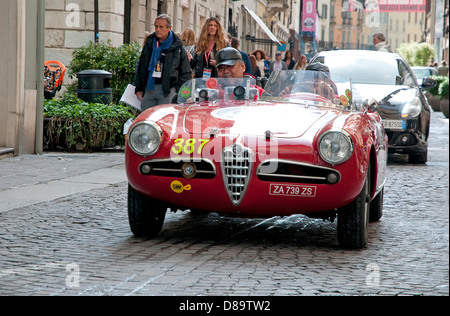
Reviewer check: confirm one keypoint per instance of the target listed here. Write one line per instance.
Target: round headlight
(335, 147)
(144, 138)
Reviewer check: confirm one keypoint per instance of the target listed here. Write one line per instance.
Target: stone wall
(70, 24)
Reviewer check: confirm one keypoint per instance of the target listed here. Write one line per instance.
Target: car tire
(195, 212)
(376, 207)
(353, 219)
(146, 215)
(419, 159)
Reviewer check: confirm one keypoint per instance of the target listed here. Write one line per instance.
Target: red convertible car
(303, 146)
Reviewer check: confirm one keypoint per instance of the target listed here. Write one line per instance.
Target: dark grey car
(388, 79)
(423, 72)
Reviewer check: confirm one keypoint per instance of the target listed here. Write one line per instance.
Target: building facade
(71, 24)
(21, 84)
(38, 30)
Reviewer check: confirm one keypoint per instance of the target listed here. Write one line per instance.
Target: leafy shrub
(74, 124)
(443, 89)
(435, 90)
(416, 54)
(119, 61)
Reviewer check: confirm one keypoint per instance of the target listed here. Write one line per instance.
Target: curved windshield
(309, 87)
(294, 86)
(422, 73)
(215, 89)
(374, 70)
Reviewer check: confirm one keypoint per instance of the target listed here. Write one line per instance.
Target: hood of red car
(282, 120)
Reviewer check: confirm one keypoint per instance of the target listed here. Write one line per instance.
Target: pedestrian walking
(268, 63)
(278, 64)
(212, 38)
(188, 39)
(163, 66)
(256, 72)
(380, 44)
(263, 65)
(290, 62)
(301, 63)
(443, 69)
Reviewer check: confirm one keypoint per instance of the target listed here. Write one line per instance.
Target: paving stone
(214, 255)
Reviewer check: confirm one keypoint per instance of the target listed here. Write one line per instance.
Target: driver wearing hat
(229, 64)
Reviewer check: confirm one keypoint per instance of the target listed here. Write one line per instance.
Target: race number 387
(292, 190)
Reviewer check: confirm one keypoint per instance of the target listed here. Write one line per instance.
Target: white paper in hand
(129, 97)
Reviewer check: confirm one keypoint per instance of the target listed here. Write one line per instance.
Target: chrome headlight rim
(155, 130)
(336, 159)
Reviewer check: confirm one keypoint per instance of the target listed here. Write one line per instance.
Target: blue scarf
(157, 50)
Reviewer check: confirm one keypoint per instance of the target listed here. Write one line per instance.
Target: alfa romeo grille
(236, 169)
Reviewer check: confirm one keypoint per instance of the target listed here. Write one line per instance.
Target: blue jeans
(156, 97)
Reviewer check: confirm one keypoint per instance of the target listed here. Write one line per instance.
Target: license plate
(394, 124)
(292, 190)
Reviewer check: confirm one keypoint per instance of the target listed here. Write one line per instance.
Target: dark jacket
(176, 69)
(198, 63)
(291, 64)
(256, 72)
(246, 60)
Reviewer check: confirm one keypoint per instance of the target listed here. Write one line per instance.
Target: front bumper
(406, 142)
(262, 196)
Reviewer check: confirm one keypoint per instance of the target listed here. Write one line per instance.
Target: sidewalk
(32, 179)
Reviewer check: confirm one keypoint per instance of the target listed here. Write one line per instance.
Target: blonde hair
(301, 63)
(188, 37)
(203, 40)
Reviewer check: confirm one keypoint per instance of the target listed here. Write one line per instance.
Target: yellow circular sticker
(178, 187)
(343, 99)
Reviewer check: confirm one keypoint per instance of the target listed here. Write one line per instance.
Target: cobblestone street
(80, 243)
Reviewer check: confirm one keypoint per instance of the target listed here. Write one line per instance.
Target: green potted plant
(433, 93)
(119, 61)
(443, 96)
(71, 124)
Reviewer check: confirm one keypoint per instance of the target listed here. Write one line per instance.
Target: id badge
(206, 73)
(158, 71)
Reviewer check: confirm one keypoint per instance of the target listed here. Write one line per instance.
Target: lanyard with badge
(157, 73)
(206, 70)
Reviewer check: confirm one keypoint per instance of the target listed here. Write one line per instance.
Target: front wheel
(146, 215)
(418, 158)
(376, 207)
(353, 219)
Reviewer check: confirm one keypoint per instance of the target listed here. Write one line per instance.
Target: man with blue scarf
(163, 66)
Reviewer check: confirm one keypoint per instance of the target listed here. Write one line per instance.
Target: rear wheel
(353, 219)
(146, 215)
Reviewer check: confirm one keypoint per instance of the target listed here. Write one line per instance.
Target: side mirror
(428, 83)
(370, 105)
